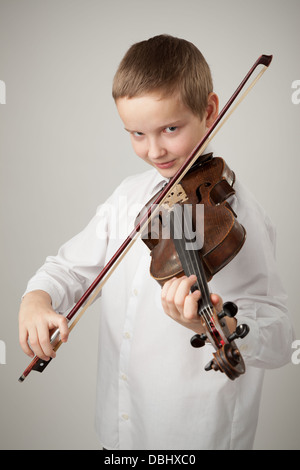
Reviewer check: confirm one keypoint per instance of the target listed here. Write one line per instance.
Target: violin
(182, 243)
(227, 356)
(209, 183)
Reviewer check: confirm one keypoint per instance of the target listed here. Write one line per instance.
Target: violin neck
(191, 261)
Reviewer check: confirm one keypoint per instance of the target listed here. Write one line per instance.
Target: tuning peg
(197, 341)
(229, 310)
(212, 365)
(240, 332)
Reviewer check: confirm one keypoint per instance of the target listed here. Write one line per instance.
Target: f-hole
(207, 184)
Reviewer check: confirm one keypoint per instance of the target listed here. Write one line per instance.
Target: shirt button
(125, 416)
(135, 292)
(124, 377)
(126, 335)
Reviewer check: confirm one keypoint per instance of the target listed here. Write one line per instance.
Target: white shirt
(153, 392)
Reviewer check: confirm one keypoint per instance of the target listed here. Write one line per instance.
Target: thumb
(217, 302)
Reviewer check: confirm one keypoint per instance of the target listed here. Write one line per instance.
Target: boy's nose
(155, 149)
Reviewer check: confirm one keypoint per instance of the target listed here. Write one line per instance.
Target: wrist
(37, 296)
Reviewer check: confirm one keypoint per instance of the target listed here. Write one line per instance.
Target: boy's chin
(166, 173)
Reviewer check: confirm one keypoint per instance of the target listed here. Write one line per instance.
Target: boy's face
(163, 130)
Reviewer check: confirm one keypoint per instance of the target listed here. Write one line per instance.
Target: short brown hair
(167, 64)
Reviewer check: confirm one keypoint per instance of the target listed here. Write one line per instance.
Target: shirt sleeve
(66, 276)
(252, 281)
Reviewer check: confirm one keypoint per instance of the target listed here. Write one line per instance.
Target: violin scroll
(227, 357)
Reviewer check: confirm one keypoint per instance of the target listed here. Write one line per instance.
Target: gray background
(63, 150)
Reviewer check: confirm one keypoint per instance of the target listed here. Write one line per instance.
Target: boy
(153, 392)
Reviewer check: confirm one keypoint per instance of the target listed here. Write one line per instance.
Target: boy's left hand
(182, 305)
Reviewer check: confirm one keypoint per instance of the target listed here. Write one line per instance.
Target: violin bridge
(176, 196)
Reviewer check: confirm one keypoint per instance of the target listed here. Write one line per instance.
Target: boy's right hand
(37, 320)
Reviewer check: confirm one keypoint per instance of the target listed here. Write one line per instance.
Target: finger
(23, 340)
(175, 293)
(217, 302)
(63, 328)
(58, 324)
(191, 306)
(183, 291)
(35, 344)
(44, 340)
(168, 292)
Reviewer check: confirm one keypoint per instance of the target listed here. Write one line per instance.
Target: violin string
(206, 309)
(194, 257)
(192, 264)
(194, 267)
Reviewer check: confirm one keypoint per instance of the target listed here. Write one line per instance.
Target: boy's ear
(212, 109)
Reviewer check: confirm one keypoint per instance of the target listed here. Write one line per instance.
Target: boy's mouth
(166, 165)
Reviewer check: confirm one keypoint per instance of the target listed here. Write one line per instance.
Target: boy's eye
(170, 129)
(137, 134)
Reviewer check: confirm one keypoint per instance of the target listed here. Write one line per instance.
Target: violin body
(211, 184)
